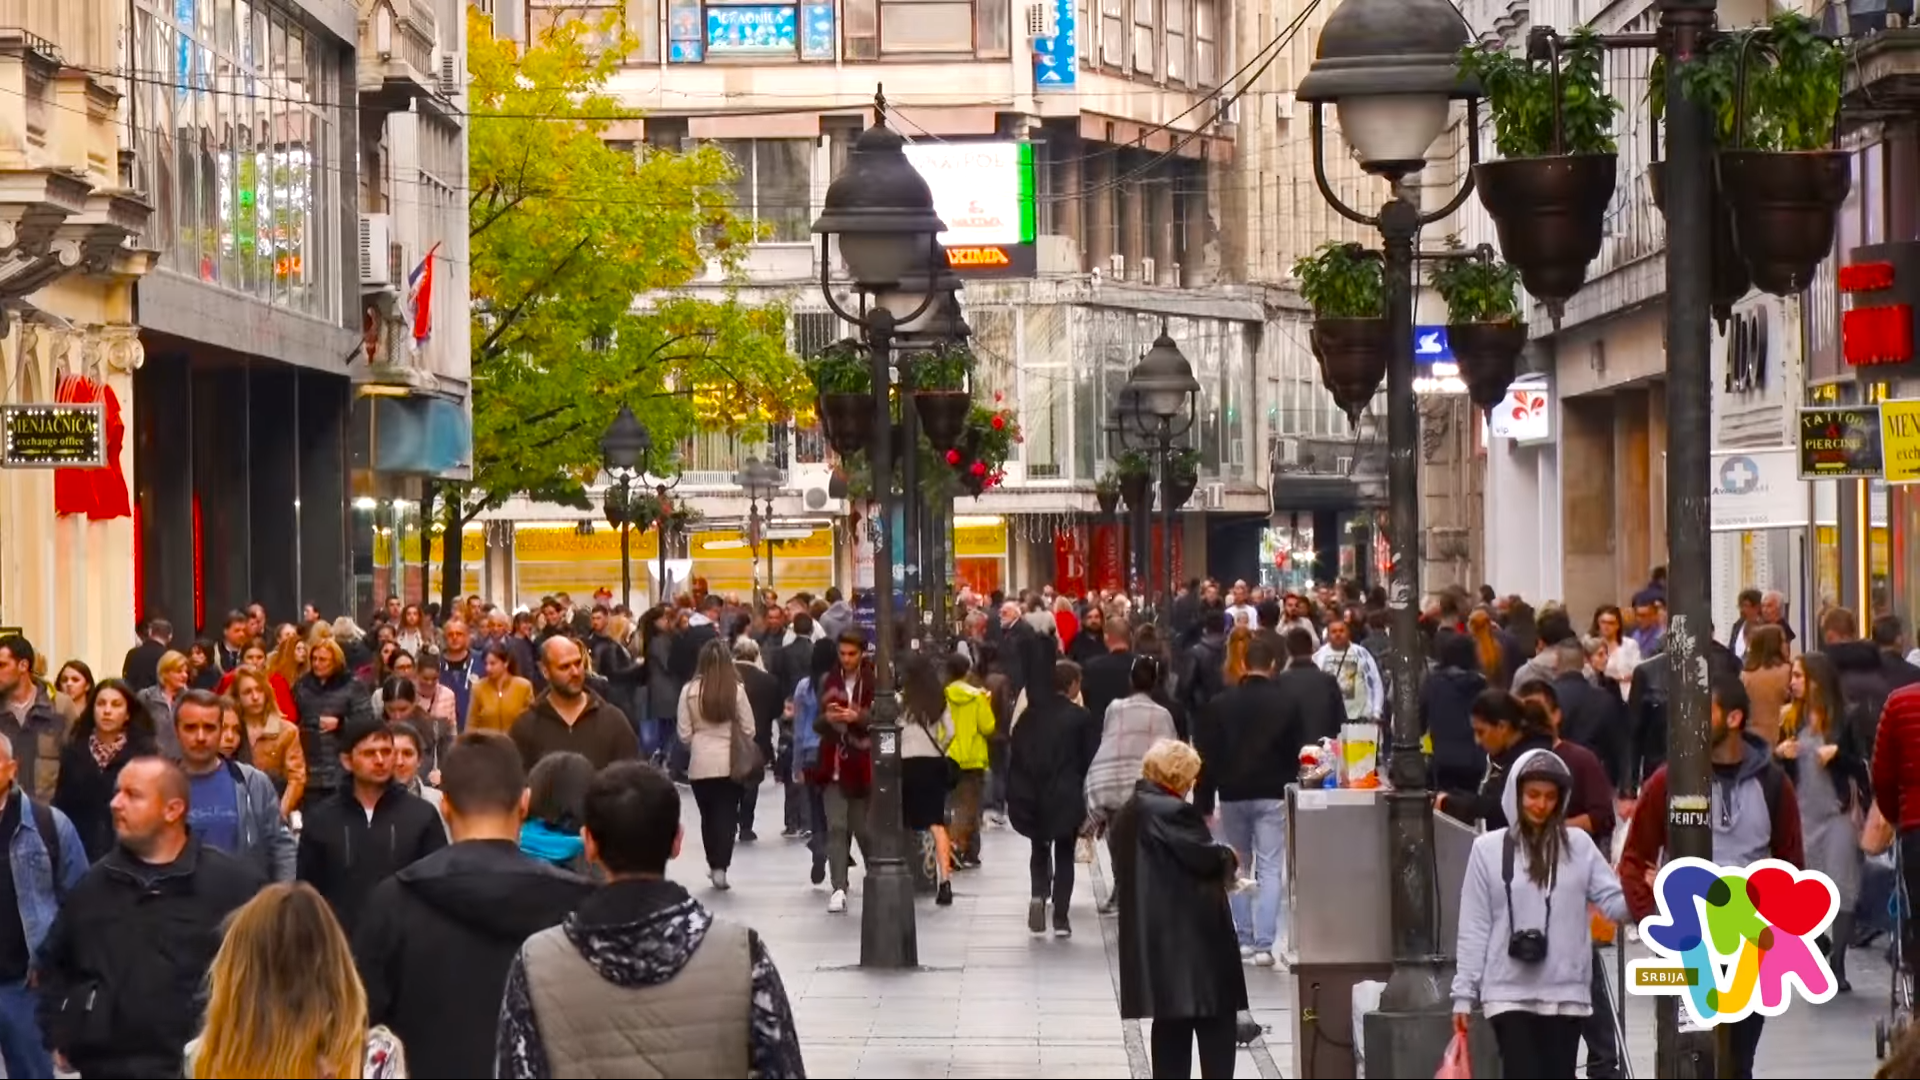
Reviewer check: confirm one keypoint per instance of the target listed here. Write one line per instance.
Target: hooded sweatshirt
(1560, 984)
(435, 942)
(972, 710)
(641, 933)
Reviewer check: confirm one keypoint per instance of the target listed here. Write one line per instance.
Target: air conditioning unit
(376, 243)
(1146, 270)
(821, 492)
(1213, 497)
(1343, 465)
(1288, 452)
(451, 73)
(1117, 265)
(1042, 19)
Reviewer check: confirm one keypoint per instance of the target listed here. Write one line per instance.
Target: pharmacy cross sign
(1739, 476)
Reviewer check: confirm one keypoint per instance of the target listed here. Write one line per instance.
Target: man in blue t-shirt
(231, 806)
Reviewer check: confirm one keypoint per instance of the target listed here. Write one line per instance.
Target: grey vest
(694, 1026)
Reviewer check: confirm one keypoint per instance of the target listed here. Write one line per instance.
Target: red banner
(1069, 563)
(1106, 568)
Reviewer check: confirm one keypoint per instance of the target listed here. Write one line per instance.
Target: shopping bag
(1455, 1064)
(1083, 850)
(1599, 927)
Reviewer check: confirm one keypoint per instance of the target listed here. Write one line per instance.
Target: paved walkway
(990, 1000)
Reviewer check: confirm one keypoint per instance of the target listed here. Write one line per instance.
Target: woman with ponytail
(1506, 728)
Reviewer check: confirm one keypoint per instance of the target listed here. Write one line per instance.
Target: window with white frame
(774, 186)
(1206, 71)
(1113, 33)
(1176, 24)
(1143, 25)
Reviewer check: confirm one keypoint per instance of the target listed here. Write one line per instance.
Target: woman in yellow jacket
(500, 697)
(972, 710)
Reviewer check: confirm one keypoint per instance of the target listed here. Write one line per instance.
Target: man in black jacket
(1106, 678)
(1887, 635)
(1249, 741)
(436, 939)
(1316, 693)
(370, 829)
(768, 699)
(120, 973)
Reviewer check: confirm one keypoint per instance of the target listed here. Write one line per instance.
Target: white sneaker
(1263, 959)
(1246, 952)
(719, 879)
(837, 903)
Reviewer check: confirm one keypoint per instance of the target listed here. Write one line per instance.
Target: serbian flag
(420, 298)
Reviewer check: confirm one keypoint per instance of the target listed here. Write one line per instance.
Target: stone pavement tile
(989, 999)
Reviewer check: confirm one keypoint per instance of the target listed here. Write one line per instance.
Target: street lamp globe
(881, 211)
(1390, 68)
(625, 442)
(1163, 382)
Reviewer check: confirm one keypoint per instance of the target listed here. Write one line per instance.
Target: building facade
(70, 214)
(229, 328)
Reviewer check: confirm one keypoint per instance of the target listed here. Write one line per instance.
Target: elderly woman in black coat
(1179, 955)
(1051, 747)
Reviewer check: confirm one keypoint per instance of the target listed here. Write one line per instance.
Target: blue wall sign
(1055, 59)
(685, 35)
(816, 36)
(752, 28)
(1430, 346)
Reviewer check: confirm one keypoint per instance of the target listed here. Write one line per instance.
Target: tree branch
(486, 350)
(495, 213)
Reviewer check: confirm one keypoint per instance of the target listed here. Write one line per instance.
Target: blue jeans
(20, 1040)
(1256, 829)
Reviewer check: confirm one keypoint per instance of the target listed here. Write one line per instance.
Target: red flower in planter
(953, 457)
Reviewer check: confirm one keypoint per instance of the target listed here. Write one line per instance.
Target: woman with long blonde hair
(1234, 669)
(284, 999)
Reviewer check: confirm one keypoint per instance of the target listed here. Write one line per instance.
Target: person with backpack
(1755, 815)
(30, 826)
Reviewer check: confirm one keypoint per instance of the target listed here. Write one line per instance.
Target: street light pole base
(1411, 1043)
(889, 939)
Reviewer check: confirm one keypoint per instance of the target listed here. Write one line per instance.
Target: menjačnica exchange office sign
(1840, 442)
(53, 436)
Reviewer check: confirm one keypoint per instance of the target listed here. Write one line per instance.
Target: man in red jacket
(1755, 816)
(845, 771)
(1896, 788)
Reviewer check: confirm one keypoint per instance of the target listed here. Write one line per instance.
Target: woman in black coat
(1446, 713)
(1179, 955)
(1050, 750)
(114, 729)
(329, 700)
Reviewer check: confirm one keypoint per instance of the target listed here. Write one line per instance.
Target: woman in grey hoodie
(1523, 951)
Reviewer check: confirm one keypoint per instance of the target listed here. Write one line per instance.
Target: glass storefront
(240, 149)
(980, 553)
(579, 557)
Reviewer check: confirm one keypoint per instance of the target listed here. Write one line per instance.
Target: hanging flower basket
(979, 455)
(1729, 280)
(1488, 355)
(1553, 127)
(1182, 489)
(1106, 492)
(943, 416)
(1550, 214)
(1136, 490)
(847, 420)
(1353, 360)
(1785, 206)
(615, 503)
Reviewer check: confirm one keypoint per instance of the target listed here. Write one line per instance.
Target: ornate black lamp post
(880, 211)
(624, 449)
(1166, 397)
(1391, 69)
(759, 481)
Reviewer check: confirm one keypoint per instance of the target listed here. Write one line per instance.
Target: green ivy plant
(1478, 290)
(944, 367)
(1131, 465)
(1794, 77)
(1186, 464)
(1108, 485)
(1520, 97)
(1342, 281)
(841, 368)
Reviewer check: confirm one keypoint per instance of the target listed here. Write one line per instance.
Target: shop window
(239, 150)
(774, 186)
(724, 30)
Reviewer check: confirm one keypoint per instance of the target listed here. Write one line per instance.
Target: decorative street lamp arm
(1319, 137)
